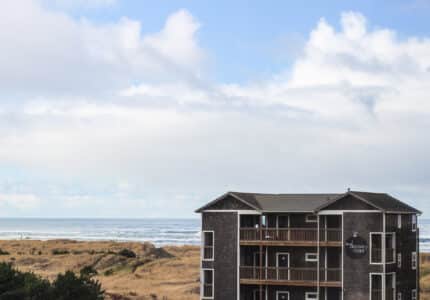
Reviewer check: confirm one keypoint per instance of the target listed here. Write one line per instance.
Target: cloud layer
(110, 114)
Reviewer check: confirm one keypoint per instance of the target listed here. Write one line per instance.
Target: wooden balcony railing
(389, 294)
(376, 255)
(390, 255)
(208, 252)
(207, 290)
(376, 294)
(330, 274)
(290, 234)
(289, 274)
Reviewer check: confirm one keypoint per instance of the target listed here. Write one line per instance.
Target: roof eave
(232, 194)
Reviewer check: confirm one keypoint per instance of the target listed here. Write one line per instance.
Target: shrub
(16, 285)
(59, 252)
(68, 286)
(88, 272)
(108, 272)
(2, 252)
(127, 253)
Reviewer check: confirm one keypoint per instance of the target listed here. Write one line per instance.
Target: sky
(136, 108)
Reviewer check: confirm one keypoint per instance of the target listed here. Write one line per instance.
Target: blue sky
(115, 108)
(244, 37)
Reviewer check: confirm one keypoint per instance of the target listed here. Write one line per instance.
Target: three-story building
(350, 246)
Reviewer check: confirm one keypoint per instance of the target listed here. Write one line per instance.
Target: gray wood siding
(356, 270)
(224, 226)
(406, 243)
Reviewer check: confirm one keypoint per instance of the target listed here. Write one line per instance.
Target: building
(350, 246)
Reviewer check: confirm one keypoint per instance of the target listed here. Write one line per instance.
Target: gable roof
(278, 202)
(313, 202)
(288, 202)
(385, 202)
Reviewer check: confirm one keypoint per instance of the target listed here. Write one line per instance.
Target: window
(399, 260)
(311, 296)
(375, 248)
(414, 261)
(414, 294)
(281, 295)
(399, 296)
(414, 222)
(390, 285)
(311, 257)
(390, 245)
(399, 221)
(208, 245)
(375, 286)
(207, 288)
(311, 218)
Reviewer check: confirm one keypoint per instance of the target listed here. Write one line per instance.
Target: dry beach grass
(166, 273)
(155, 273)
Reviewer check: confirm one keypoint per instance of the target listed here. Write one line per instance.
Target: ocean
(158, 231)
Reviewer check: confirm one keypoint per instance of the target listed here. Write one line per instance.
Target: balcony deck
(303, 237)
(290, 276)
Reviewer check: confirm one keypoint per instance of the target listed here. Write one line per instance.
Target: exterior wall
(356, 270)
(296, 292)
(224, 225)
(406, 243)
(297, 256)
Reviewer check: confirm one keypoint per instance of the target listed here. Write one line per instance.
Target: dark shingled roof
(314, 202)
(385, 202)
(286, 202)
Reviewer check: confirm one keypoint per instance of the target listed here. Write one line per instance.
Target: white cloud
(20, 201)
(75, 4)
(352, 111)
(47, 53)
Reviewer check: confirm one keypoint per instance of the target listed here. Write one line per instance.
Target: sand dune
(155, 273)
(166, 273)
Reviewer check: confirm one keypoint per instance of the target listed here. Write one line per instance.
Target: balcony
(290, 276)
(376, 255)
(290, 236)
(389, 294)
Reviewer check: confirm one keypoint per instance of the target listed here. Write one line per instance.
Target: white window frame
(203, 245)
(307, 255)
(399, 260)
(311, 220)
(370, 283)
(371, 246)
(414, 260)
(394, 284)
(282, 292)
(399, 221)
(277, 263)
(203, 282)
(414, 294)
(311, 294)
(393, 234)
(414, 223)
